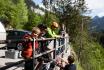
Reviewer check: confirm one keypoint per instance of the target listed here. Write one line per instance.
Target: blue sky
(96, 7)
(37, 1)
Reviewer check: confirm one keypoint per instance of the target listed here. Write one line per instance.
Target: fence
(59, 47)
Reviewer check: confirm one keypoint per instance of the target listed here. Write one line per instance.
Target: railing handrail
(36, 56)
(21, 40)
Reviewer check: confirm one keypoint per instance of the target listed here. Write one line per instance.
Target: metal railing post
(66, 44)
(63, 47)
(54, 52)
(33, 47)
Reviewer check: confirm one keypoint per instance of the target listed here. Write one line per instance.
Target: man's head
(71, 59)
(42, 27)
(54, 25)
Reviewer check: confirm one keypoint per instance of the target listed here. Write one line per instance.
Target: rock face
(97, 24)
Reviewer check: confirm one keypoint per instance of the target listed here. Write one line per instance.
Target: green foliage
(14, 13)
(33, 20)
(96, 56)
(69, 13)
(49, 18)
(5, 9)
(22, 13)
(90, 54)
(79, 67)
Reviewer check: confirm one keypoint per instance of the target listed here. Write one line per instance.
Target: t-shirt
(70, 67)
(50, 33)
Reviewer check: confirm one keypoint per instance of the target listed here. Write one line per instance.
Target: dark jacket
(70, 67)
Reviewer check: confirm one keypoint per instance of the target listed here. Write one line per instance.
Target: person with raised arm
(68, 65)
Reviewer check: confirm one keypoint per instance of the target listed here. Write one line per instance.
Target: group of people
(41, 31)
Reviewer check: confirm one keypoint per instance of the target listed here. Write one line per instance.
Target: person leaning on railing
(48, 32)
(27, 52)
(51, 31)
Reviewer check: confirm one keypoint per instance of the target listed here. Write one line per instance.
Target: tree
(69, 13)
(33, 20)
(49, 18)
(13, 11)
(21, 14)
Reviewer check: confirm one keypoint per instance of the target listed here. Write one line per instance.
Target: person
(69, 65)
(47, 32)
(43, 29)
(51, 31)
(27, 51)
(43, 45)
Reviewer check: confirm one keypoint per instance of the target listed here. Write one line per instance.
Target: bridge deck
(6, 61)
